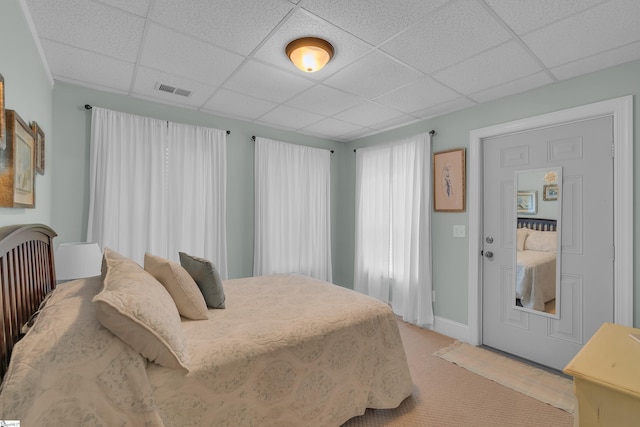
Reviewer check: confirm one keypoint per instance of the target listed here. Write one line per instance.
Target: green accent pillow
(206, 277)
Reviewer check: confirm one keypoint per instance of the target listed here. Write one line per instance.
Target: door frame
(621, 109)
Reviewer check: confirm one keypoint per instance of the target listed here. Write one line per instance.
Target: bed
(286, 350)
(536, 253)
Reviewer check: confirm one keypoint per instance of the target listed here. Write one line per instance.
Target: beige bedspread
(71, 371)
(287, 351)
(535, 278)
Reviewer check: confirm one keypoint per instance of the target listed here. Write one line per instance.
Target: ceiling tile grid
(395, 62)
(237, 105)
(609, 25)
(182, 55)
(418, 95)
(88, 25)
(238, 25)
(72, 65)
(496, 66)
(450, 35)
(373, 75)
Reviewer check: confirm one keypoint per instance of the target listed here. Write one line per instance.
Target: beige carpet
(447, 395)
(537, 383)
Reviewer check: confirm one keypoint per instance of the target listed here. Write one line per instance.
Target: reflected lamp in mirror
(77, 260)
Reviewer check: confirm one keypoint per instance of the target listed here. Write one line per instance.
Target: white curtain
(157, 186)
(393, 221)
(292, 210)
(197, 193)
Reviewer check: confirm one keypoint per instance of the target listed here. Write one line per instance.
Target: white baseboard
(450, 328)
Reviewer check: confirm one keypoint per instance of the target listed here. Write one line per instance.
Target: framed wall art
(3, 121)
(17, 164)
(550, 192)
(527, 202)
(38, 133)
(449, 181)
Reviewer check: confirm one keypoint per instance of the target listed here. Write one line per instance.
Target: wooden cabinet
(606, 378)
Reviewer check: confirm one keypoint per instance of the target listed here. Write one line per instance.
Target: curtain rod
(253, 138)
(431, 132)
(89, 107)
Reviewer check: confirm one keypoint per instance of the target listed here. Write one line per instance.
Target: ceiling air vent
(170, 89)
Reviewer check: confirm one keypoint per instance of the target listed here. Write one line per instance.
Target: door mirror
(537, 240)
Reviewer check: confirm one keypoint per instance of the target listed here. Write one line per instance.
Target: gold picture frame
(527, 202)
(39, 159)
(17, 161)
(550, 192)
(449, 181)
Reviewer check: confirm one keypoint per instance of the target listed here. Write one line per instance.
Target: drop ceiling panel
(452, 34)
(238, 25)
(512, 87)
(526, 16)
(418, 95)
(610, 25)
(448, 107)
(233, 104)
(324, 100)
(292, 118)
(186, 56)
(137, 7)
(374, 21)
(89, 25)
(267, 83)
(394, 122)
(373, 75)
(330, 128)
(497, 66)
(597, 62)
(367, 114)
(74, 65)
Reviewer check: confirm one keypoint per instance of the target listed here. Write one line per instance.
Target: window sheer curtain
(157, 186)
(292, 209)
(393, 221)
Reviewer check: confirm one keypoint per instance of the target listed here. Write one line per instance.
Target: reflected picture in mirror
(537, 236)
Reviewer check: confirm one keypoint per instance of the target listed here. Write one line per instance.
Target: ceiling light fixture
(309, 54)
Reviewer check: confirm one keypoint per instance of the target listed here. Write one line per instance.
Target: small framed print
(449, 181)
(17, 172)
(550, 192)
(527, 202)
(39, 135)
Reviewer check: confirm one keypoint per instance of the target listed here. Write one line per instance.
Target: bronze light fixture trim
(309, 54)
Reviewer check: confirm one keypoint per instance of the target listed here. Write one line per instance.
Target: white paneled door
(584, 152)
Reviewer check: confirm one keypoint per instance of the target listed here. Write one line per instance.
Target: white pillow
(180, 285)
(544, 241)
(134, 306)
(521, 236)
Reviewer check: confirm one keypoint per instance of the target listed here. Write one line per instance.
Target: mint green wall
(72, 125)
(28, 90)
(450, 257)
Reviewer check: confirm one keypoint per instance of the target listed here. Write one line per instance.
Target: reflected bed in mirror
(536, 264)
(537, 242)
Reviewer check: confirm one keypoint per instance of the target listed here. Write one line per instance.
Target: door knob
(488, 254)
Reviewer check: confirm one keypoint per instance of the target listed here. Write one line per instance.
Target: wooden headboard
(27, 275)
(538, 224)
